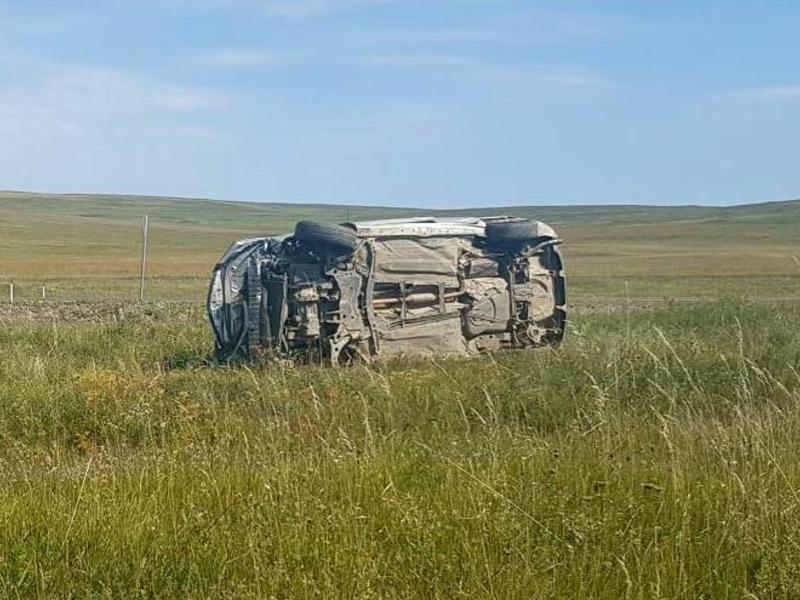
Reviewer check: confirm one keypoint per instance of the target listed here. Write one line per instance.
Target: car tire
(335, 237)
(514, 230)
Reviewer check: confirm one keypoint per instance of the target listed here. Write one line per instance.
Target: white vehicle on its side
(381, 289)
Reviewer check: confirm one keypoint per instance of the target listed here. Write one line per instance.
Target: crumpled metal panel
(428, 261)
(490, 310)
(424, 338)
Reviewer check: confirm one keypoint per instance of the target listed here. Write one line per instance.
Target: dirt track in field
(94, 312)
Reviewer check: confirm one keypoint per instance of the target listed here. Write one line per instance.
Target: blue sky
(404, 102)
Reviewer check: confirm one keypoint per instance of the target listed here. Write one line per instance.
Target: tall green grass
(654, 456)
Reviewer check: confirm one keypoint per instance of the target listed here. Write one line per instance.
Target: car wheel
(335, 237)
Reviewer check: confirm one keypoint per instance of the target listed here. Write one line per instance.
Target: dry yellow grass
(88, 246)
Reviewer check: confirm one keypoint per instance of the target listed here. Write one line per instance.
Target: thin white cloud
(542, 75)
(762, 94)
(47, 103)
(301, 9)
(34, 25)
(238, 58)
(284, 9)
(443, 37)
(510, 75)
(525, 30)
(418, 60)
(79, 89)
(514, 28)
(575, 79)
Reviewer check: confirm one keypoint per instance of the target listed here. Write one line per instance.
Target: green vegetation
(87, 247)
(654, 456)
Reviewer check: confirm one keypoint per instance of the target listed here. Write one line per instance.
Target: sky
(428, 103)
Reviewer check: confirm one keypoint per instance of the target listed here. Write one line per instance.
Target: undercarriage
(330, 296)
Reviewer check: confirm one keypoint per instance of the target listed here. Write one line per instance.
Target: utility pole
(145, 224)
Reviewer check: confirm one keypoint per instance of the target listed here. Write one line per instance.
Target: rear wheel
(510, 231)
(341, 240)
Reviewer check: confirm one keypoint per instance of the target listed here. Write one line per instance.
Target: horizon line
(182, 198)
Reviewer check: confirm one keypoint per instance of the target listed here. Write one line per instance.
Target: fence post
(145, 223)
(44, 293)
(11, 292)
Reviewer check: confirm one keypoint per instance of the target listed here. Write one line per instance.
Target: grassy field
(87, 247)
(655, 455)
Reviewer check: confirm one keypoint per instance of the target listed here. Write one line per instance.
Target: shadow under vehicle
(390, 288)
